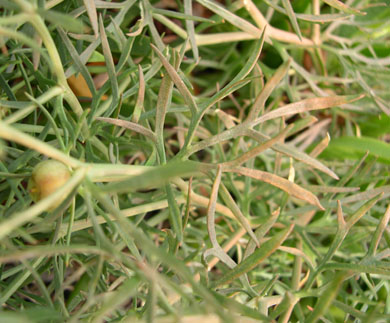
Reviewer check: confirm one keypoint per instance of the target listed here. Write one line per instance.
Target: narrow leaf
(141, 95)
(60, 19)
(307, 105)
(131, 126)
(292, 17)
(76, 59)
(189, 99)
(268, 89)
(257, 150)
(362, 211)
(235, 20)
(311, 18)
(91, 10)
(191, 29)
(327, 297)
(211, 209)
(343, 7)
(369, 194)
(237, 212)
(284, 184)
(378, 232)
(255, 258)
(110, 67)
(356, 148)
(261, 232)
(217, 251)
(247, 68)
(379, 267)
(179, 15)
(155, 177)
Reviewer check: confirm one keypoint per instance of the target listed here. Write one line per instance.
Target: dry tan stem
(272, 32)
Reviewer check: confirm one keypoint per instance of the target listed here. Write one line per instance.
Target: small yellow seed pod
(47, 177)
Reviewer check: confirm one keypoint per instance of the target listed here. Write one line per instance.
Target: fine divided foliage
(215, 161)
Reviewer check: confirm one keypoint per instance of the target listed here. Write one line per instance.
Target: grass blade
(292, 17)
(268, 89)
(91, 10)
(343, 7)
(155, 177)
(131, 126)
(327, 297)
(141, 96)
(76, 59)
(307, 105)
(356, 148)
(379, 232)
(231, 17)
(188, 98)
(284, 184)
(59, 19)
(247, 68)
(255, 258)
(110, 68)
(190, 29)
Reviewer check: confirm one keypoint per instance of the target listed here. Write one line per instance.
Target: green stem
(47, 40)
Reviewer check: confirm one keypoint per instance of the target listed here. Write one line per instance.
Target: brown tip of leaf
(320, 206)
(358, 98)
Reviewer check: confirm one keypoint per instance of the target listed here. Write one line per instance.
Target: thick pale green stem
(58, 70)
(69, 96)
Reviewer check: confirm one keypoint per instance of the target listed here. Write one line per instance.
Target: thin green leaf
(191, 29)
(110, 67)
(6, 88)
(237, 212)
(271, 84)
(261, 232)
(148, 10)
(343, 7)
(292, 17)
(356, 148)
(189, 99)
(115, 300)
(247, 68)
(141, 95)
(179, 15)
(257, 150)
(255, 258)
(76, 59)
(379, 232)
(359, 268)
(369, 194)
(327, 297)
(60, 19)
(155, 177)
(235, 20)
(355, 217)
(50, 119)
(307, 17)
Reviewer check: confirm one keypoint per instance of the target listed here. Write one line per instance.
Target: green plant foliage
(224, 161)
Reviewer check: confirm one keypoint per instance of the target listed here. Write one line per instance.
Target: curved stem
(58, 70)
